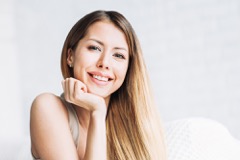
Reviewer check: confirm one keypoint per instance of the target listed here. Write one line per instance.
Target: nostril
(103, 64)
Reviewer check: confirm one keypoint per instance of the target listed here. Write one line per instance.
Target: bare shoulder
(47, 108)
(46, 103)
(46, 98)
(49, 127)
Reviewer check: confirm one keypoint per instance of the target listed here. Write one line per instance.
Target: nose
(103, 61)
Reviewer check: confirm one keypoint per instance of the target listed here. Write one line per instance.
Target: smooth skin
(100, 63)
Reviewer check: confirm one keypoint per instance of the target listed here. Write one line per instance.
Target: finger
(80, 90)
(64, 88)
(80, 94)
(66, 92)
(63, 85)
(79, 86)
(71, 93)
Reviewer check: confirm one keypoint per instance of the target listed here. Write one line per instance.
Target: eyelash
(94, 48)
(118, 55)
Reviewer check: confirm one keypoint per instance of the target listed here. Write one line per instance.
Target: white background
(191, 48)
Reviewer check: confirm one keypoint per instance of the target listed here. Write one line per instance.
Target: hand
(76, 92)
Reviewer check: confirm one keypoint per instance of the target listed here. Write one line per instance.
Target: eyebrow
(101, 43)
(97, 41)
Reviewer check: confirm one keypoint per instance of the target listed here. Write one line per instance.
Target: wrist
(97, 114)
(100, 110)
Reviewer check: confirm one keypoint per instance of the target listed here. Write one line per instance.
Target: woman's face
(101, 59)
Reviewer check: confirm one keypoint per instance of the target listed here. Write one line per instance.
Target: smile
(100, 78)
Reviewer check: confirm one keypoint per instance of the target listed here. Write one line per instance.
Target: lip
(99, 82)
(102, 74)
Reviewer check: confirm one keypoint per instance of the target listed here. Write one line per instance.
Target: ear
(70, 57)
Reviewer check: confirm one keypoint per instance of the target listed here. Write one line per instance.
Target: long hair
(133, 127)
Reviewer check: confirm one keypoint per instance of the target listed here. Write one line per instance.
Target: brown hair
(133, 128)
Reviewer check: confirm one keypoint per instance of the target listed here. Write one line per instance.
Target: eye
(119, 55)
(95, 48)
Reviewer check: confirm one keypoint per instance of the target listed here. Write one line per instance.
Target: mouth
(101, 78)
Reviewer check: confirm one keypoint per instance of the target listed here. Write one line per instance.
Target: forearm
(96, 141)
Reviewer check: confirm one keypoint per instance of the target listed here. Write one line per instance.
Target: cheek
(122, 73)
(84, 60)
(79, 66)
(81, 57)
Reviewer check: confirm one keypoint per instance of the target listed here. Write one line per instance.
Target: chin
(99, 93)
(106, 97)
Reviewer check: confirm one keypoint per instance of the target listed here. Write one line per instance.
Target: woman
(106, 110)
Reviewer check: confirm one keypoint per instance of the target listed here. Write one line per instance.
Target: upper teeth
(100, 78)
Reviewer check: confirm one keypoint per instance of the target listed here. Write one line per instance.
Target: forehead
(107, 32)
(104, 25)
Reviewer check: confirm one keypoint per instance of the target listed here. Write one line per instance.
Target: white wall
(192, 50)
(11, 114)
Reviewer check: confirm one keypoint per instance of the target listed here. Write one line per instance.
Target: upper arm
(49, 128)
